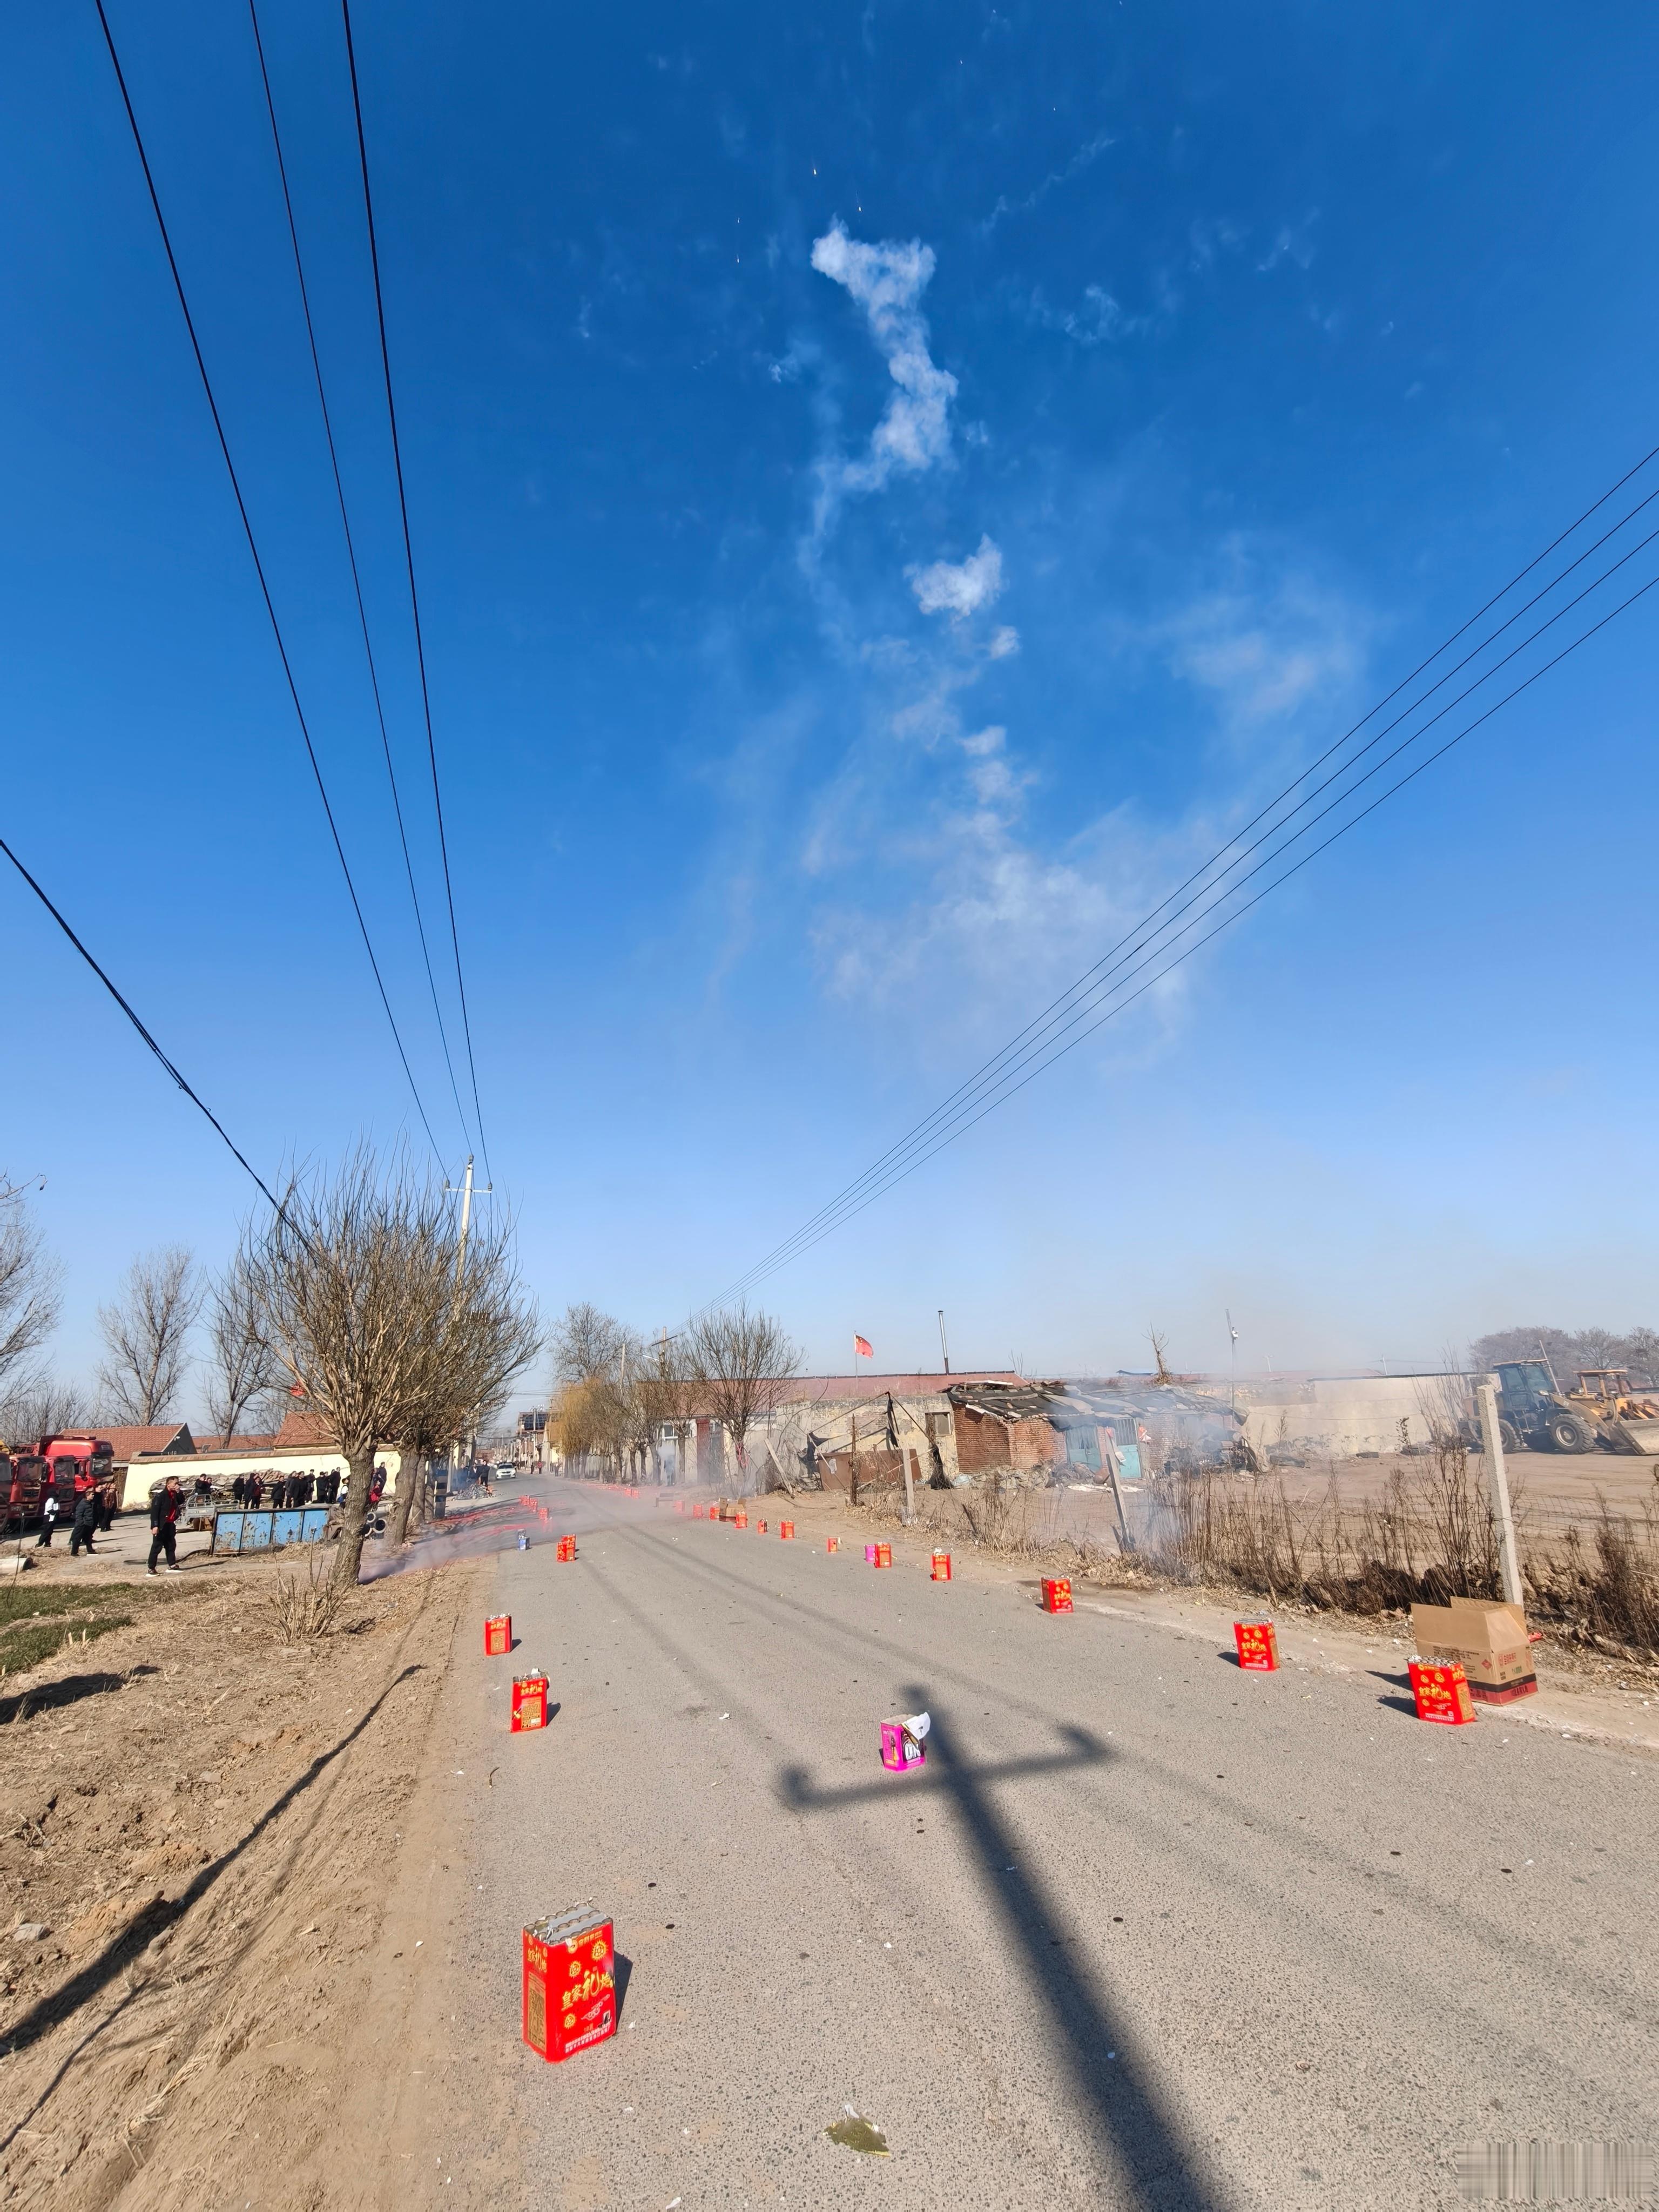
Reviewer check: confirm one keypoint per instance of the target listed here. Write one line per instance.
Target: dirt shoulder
(227, 1841)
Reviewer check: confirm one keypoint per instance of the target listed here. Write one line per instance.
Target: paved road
(1145, 1933)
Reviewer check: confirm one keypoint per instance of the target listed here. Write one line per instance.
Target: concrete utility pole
(944, 1348)
(1509, 1559)
(904, 1462)
(460, 1254)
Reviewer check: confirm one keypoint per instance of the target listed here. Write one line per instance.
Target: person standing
(106, 1507)
(48, 1519)
(85, 1523)
(163, 1518)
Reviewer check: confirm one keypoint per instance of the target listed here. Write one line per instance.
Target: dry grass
(302, 1608)
(1428, 1537)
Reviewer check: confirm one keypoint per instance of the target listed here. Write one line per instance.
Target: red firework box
(569, 1983)
(785, 1529)
(1441, 1690)
(740, 1520)
(498, 1635)
(941, 1570)
(1257, 1644)
(565, 1549)
(832, 1543)
(529, 1702)
(763, 1528)
(884, 1555)
(1056, 1594)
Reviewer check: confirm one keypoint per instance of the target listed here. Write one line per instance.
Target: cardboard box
(569, 1983)
(900, 1750)
(1488, 1640)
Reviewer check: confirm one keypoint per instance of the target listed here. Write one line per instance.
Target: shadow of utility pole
(1128, 2117)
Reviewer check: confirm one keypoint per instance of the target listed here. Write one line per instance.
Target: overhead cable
(408, 559)
(259, 571)
(351, 556)
(993, 1079)
(127, 1008)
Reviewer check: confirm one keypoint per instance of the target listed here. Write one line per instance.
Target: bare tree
(29, 1300)
(486, 1334)
(245, 1371)
(362, 1301)
(587, 1345)
(37, 1405)
(351, 1276)
(147, 1335)
(738, 1364)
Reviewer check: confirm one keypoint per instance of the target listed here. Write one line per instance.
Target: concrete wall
(1336, 1416)
(222, 1469)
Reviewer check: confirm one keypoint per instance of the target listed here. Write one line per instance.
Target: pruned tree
(356, 1282)
(147, 1336)
(29, 1298)
(738, 1364)
(487, 1332)
(245, 1370)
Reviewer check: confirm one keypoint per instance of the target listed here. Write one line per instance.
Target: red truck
(70, 1462)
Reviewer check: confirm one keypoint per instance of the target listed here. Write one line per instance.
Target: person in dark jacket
(85, 1524)
(163, 1519)
(238, 1489)
(106, 1507)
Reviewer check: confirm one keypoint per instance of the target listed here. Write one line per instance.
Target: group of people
(284, 1492)
(92, 1513)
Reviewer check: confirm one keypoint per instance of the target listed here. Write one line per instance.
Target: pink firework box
(869, 1555)
(900, 1750)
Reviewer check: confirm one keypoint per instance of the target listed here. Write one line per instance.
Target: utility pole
(1509, 1559)
(1233, 1395)
(945, 1349)
(460, 1254)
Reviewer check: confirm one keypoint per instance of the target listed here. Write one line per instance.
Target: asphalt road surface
(1145, 1932)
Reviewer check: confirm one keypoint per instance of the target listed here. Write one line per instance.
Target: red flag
(296, 1389)
(861, 1348)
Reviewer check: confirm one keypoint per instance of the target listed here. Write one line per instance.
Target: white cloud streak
(914, 433)
(958, 588)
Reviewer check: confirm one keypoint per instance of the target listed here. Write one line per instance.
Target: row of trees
(616, 1394)
(352, 1302)
(1568, 1350)
(148, 1333)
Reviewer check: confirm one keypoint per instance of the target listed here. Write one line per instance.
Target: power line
(902, 1172)
(127, 1010)
(992, 1084)
(990, 1072)
(259, 571)
(351, 555)
(408, 559)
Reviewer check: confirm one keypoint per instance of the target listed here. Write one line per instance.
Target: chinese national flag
(296, 1389)
(861, 1348)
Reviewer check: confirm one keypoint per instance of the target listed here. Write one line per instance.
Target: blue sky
(891, 490)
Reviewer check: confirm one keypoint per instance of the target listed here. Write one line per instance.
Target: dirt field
(205, 1823)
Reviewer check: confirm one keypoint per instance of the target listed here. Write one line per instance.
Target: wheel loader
(1623, 1418)
(1532, 1415)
